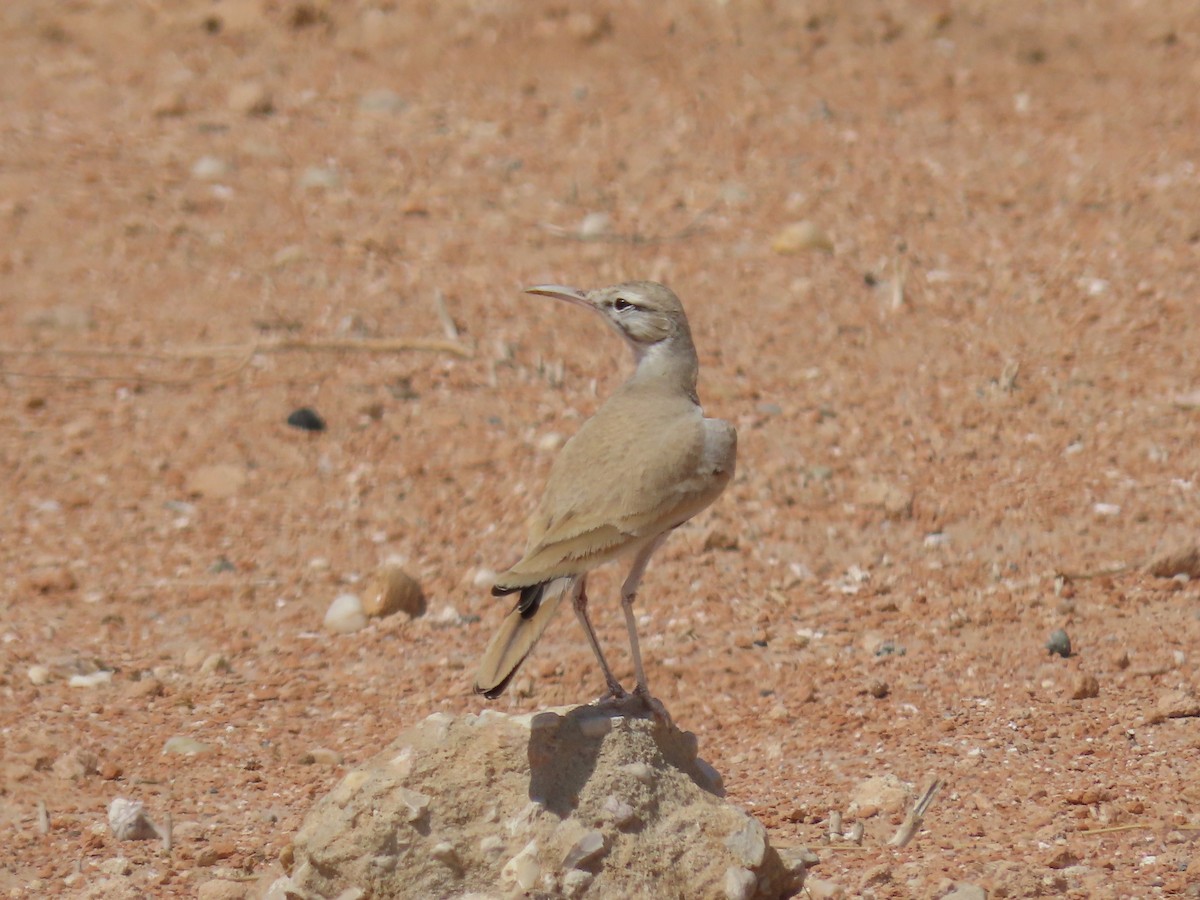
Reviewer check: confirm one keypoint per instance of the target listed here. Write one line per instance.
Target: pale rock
(117, 865)
(251, 98)
(38, 675)
(93, 679)
(800, 237)
(381, 100)
(345, 615)
(320, 178)
(392, 590)
(209, 168)
(128, 820)
(895, 501)
(185, 746)
(820, 889)
(740, 884)
(222, 889)
(882, 793)
(964, 891)
(1177, 705)
(447, 831)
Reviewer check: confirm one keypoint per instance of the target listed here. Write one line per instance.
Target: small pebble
(93, 680)
(393, 590)
(118, 865)
(799, 237)
(251, 98)
(128, 820)
(1059, 643)
(39, 675)
(345, 615)
(209, 168)
(381, 100)
(1085, 687)
(641, 771)
(185, 746)
(585, 850)
(306, 419)
(320, 178)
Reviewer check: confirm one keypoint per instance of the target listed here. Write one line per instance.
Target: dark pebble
(307, 419)
(1059, 643)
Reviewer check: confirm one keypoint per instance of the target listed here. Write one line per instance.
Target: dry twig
(912, 822)
(243, 353)
(635, 238)
(43, 818)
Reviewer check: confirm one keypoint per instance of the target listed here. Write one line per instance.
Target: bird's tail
(518, 633)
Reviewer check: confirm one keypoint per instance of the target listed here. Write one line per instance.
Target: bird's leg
(579, 601)
(628, 595)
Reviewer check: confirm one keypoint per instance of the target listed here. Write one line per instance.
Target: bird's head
(645, 313)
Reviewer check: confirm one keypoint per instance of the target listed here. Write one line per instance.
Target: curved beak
(559, 292)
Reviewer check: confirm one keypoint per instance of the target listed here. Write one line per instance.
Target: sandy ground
(988, 376)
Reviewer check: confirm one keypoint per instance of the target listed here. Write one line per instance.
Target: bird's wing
(614, 489)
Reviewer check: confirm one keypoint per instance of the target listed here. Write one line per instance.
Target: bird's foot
(614, 694)
(655, 706)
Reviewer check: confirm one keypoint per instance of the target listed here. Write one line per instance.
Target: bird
(646, 462)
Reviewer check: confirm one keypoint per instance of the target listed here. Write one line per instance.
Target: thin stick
(245, 352)
(43, 818)
(912, 823)
(443, 314)
(1112, 829)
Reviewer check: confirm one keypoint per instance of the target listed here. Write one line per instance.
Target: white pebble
(93, 680)
(345, 615)
(209, 168)
(39, 675)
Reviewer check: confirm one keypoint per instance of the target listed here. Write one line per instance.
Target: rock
(75, 764)
(565, 809)
(129, 822)
(740, 884)
(306, 420)
(252, 99)
(220, 889)
(393, 590)
(38, 675)
(895, 501)
(964, 891)
(219, 481)
(345, 615)
(117, 865)
(214, 662)
(800, 237)
(185, 746)
(322, 756)
(320, 178)
(381, 100)
(1177, 705)
(1059, 643)
(169, 103)
(1085, 686)
(209, 168)
(883, 793)
(820, 889)
(93, 679)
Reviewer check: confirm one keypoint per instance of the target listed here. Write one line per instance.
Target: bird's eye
(622, 304)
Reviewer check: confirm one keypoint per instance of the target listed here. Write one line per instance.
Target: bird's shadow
(565, 749)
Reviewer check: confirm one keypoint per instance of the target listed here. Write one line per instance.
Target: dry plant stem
(835, 825)
(43, 818)
(912, 823)
(246, 352)
(443, 314)
(1113, 829)
(1098, 573)
(633, 238)
(165, 832)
